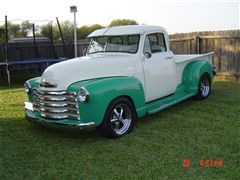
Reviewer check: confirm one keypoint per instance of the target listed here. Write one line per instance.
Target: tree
(19, 30)
(2, 34)
(84, 31)
(67, 30)
(45, 32)
(26, 28)
(14, 30)
(121, 22)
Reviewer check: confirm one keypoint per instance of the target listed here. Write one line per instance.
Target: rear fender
(192, 73)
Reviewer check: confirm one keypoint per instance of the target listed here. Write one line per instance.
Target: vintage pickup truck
(127, 73)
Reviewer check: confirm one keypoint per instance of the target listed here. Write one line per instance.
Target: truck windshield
(126, 44)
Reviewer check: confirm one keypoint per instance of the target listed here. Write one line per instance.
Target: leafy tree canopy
(121, 22)
(84, 31)
(25, 29)
(67, 30)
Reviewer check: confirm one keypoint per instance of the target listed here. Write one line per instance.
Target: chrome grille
(55, 105)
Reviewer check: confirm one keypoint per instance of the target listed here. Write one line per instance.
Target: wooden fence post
(197, 44)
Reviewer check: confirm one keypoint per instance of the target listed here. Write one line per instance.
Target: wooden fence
(224, 44)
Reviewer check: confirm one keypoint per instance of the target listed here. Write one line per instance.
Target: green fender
(102, 91)
(192, 73)
(34, 83)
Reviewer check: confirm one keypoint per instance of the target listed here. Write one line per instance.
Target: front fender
(102, 91)
(34, 83)
(192, 73)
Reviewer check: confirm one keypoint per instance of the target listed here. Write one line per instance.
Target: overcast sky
(175, 16)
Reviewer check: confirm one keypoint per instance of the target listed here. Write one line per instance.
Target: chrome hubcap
(121, 118)
(204, 87)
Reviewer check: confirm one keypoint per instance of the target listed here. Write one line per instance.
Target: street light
(73, 10)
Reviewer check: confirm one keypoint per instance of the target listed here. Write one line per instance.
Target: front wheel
(119, 118)
(204, 87)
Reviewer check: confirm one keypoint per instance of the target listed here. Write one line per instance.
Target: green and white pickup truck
(128, 72)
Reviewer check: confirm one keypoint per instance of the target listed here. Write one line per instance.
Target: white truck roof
(126, 30)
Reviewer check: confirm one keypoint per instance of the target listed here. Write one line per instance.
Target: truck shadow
(24, 128)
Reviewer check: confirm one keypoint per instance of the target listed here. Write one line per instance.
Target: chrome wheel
(121, 118)
(204, 87)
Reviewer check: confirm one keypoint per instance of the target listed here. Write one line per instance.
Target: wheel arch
(128, 98)
(192, 73)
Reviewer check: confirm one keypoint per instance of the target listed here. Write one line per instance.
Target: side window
(157, 42)
(161, 42)
(146, 47)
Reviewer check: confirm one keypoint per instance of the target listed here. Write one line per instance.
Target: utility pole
(63, 41)
(34, 40)
(6, 51)
(74, 10)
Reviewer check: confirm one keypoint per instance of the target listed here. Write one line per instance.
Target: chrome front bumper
(60, 124)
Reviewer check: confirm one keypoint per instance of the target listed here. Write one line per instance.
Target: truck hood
(88, 67)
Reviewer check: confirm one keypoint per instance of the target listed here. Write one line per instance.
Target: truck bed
(182, 60)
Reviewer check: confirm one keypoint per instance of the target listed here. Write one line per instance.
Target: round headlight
(27, 87)
(83, 95)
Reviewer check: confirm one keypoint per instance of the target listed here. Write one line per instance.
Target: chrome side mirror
(148, 55)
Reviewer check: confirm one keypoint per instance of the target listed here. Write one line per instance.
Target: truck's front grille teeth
(55, 105)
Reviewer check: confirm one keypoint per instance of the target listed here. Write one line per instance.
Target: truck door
(159, 68)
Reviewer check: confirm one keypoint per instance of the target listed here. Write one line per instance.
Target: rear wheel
(204, 87)
(119, 119)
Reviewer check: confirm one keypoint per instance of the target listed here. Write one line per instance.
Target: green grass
(194, 130)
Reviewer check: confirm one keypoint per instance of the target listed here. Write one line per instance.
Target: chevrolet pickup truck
(127, 73)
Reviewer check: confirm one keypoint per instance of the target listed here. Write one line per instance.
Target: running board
(166, 102)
